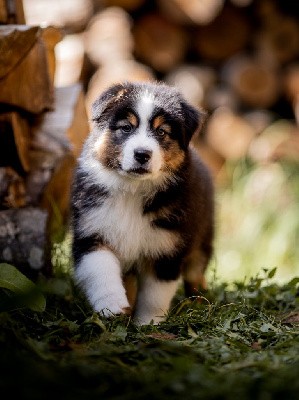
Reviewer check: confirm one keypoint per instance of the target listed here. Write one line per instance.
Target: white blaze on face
(142, 138)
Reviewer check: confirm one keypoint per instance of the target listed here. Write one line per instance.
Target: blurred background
(238, 60)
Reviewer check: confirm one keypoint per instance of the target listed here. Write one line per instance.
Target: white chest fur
(120, 221)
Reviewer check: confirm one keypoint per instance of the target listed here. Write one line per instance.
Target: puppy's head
(142, 130)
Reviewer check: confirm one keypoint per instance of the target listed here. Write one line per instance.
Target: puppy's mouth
(138, 171)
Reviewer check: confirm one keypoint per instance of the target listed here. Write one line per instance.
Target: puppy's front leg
(98, 273)
(153, 299)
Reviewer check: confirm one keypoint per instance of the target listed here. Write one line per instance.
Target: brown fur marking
(173, 155)
(106, 152)
(132, 119)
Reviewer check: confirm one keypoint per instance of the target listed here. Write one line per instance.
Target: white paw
(148, 319)
(111, 304)
(99, 275)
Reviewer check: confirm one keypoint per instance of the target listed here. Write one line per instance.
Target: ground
(238, 342)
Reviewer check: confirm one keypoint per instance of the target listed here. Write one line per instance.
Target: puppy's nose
(142, 155)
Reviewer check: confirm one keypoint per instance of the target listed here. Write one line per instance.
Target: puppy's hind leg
(153, 299)
(194, 268)
(98, 273)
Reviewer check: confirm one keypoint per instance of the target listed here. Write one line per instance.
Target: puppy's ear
(194, 120)
(107, 98)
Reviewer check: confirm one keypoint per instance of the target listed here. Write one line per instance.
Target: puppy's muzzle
(142, 156)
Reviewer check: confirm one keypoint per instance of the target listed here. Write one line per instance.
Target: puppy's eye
(161, 132)
(126, 128)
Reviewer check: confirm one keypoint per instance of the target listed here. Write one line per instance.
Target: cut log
(15, 43)
(23, 238)
(11, 12)
(255, 83)
(14, 141)
(28, 84)
(222, 96)
(159, 43)
(241, 3)
(72, 15)
(108, 37)
(57, 141)
(3, 12)
(291, 87)
(225, 36)
(229, 134)
(191, 11)
(193, 81)
(51, 36)
(279, 39)
(69, 55)
(12, 189)
(129, 5)
(291, 81)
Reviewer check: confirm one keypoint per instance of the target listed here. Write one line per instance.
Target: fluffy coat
(142, 203)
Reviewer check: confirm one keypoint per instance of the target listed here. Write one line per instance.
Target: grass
(239, 343)
(257, 221)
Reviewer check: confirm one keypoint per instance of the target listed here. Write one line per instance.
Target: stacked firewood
(42, 128)
(237, 59)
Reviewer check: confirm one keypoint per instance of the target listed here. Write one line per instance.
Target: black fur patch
(168, 268)
(86, 193)
(82, 246)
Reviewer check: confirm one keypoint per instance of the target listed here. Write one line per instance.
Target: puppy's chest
(127, 230)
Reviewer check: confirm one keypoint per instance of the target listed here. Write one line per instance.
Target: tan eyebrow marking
(158, 121)
(132, 119)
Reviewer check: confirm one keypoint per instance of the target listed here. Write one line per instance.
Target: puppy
(142, 203)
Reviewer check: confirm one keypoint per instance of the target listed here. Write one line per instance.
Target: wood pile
(237, 59)
(42, 128)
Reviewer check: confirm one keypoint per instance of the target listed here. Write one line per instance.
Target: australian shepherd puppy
(142, 203)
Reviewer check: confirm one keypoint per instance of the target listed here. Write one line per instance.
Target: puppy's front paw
(98, 274)
(148, 319)
(111, 304)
